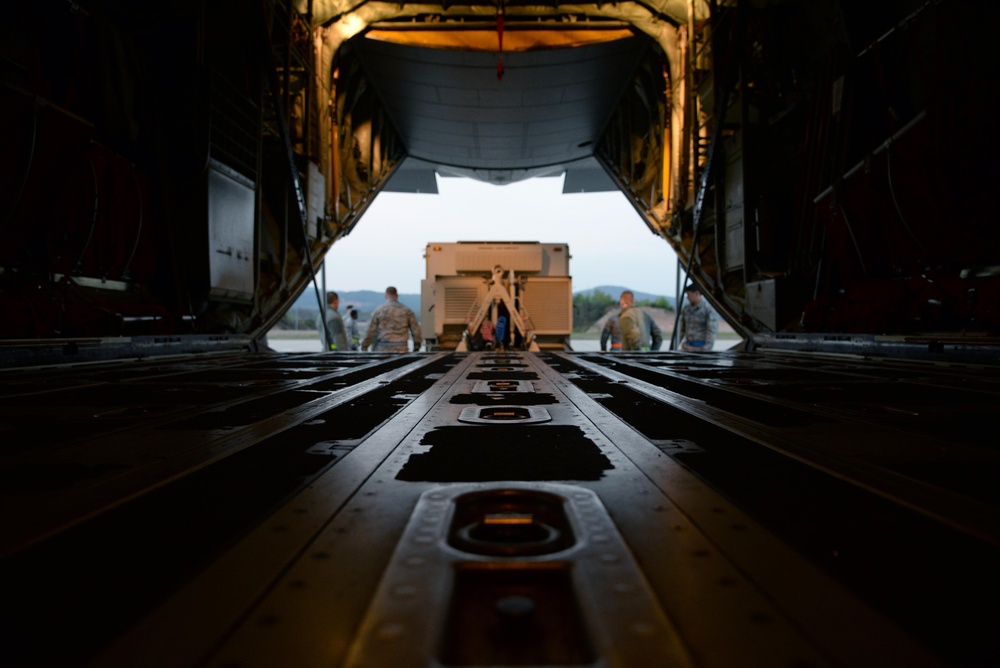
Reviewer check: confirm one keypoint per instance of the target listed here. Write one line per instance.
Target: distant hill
(363, 300)
(366, 300)
(614, 291)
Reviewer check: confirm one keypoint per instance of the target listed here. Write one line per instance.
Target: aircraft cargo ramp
(490, 509)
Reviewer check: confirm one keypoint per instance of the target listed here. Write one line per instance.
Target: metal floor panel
(659, 509)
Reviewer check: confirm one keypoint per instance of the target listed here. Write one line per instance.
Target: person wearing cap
(638, 330)
(698, 324)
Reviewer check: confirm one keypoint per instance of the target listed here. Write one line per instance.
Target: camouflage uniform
(334, 337)
(698, 327)
(389, 326)
(638, 330)
(612, 330)
(353, 336)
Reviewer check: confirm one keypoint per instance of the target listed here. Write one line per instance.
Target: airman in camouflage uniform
(389, 326)
(639, 331)
(353, 335)
(613, 331)
(699, 323)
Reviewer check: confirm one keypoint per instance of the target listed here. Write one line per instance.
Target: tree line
(588, 308)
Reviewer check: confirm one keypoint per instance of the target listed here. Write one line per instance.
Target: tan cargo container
(460, 291)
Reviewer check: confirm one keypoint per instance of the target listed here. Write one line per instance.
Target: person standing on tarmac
(654, 331)
(698, 324)
(353, 335)
(639, 331)
(612, 331)
(389, 326)
(333, 335)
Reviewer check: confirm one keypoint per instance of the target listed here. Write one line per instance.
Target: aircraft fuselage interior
(177, 493)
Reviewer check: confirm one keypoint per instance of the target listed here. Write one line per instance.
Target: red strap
(500, 41)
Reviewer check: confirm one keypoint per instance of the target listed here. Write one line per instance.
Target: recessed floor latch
(508, 414)
(510, 574)
(490, 386)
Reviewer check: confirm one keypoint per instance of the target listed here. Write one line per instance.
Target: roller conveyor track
(501, 509)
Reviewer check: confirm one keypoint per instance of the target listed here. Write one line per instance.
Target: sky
(609, 243)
